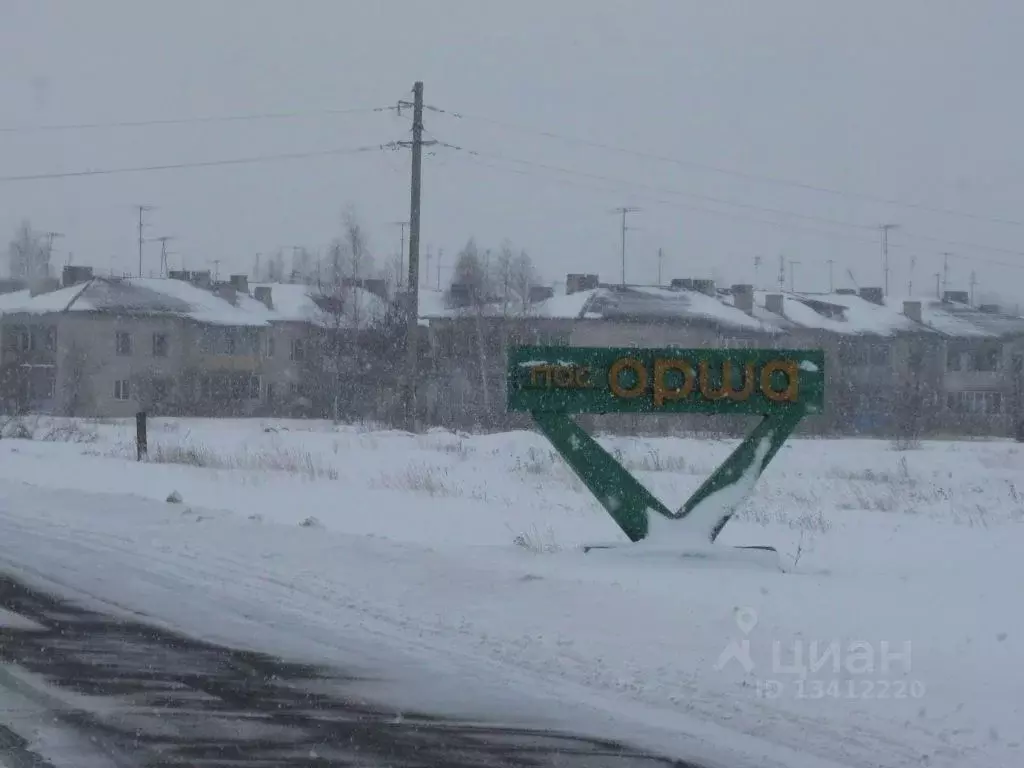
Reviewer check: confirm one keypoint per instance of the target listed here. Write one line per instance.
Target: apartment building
(103, 346)
(924, 364)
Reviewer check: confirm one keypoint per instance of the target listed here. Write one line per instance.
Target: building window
(298, 350)
(51, 338)
(161, 388)
(124, 345)
(22, 338)
(270, 344)
(160, 345)
(985, 360)
(973, 402)
(122, 389)
(254, 387)
(43, 387)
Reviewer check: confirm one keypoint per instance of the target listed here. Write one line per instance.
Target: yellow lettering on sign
(561, 376)
(726, 390)
(787, 395)
(638, 370)
(661, 391)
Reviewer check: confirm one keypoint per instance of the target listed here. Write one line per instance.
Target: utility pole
(426, 272)
(216, 270)
(440, 254)
(945, 272)
(163, 253)
(974, 282)
(885, 252)
(782, 272)
(831, 285)
(413, 310)
(792, 276)
(623, 211)
(757, 272)
(910, 280)
(938, 291)
(142, 210)
(661, 256)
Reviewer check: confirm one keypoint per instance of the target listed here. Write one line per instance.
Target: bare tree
(28, 254)
(523, 277)
(470, 289)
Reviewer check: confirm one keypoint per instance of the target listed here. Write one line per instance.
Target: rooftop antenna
(163, 253)
(885, 252)
(792, 275)
(50, 237)
(623, 211)
(853, 279)
(142, 210)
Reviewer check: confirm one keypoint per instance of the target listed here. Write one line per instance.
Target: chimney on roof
(263, 295)
(459, 295)
(240, 283)
(74, 274)
(574, 283)
(707, 287)
(874, 295)
(227, 292)
(774, 304)
(912, 311)
(743, 297)
(540, 293)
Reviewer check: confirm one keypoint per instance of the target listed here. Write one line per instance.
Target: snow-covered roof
(954, 319)
(846, 314)
(165, 296)
(298, 303)
(141, 296)
(615, 303)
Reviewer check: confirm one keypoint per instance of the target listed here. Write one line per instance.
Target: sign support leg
(621, 494)
(718, 497)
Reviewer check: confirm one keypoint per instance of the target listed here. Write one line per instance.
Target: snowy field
(891, 636)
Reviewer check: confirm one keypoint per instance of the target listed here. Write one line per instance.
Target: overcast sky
(916, 102)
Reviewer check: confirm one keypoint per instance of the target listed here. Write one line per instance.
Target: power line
(196, 164)
(663, 190)
(9, 129)
(760, 178)
(731, 214)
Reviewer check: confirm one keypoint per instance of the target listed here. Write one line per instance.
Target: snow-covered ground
(893, 636)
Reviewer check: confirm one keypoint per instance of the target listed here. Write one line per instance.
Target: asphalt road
(149, 698)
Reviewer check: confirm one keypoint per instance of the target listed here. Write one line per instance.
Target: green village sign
(553, 383)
